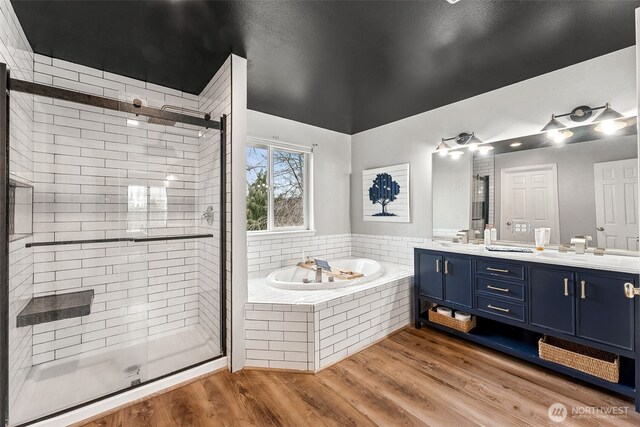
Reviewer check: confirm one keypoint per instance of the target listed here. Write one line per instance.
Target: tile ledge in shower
(56, 307)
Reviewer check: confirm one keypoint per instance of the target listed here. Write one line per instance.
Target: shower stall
(113, 244)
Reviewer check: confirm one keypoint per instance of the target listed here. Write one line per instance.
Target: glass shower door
(117, 282)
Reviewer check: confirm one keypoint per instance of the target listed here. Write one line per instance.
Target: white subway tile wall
(268, 254)
(216, 100)
(393, 249)
(104, 174)
(16, 53)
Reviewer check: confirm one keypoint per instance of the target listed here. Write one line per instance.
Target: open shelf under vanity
(523, 344)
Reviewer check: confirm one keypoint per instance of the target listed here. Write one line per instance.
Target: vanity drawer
(500, 308)
(501, 269)
(501, 289)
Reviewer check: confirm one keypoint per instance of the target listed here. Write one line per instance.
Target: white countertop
(608, 262)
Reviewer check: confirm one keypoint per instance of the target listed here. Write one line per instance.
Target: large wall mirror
(585, 185)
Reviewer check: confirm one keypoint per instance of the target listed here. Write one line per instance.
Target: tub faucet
(318, 274)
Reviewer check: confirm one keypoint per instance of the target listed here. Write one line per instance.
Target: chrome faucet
(581, 243)
(318, 274)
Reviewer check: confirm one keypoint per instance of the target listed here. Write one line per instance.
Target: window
(278, 190)
(146, 208)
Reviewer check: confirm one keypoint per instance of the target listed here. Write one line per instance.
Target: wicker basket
(451, 322)
(585, 359)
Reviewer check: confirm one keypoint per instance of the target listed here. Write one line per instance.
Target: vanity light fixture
(609, 121)
(468, 140)
(443, 148)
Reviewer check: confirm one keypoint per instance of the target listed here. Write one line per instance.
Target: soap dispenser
(494, 233)
(487, 235)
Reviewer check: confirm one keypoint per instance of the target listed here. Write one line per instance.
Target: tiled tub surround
(310, 330)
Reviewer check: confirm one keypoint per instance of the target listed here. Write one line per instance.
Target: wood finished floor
(412, 378)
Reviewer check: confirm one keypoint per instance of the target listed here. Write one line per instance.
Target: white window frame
(272, 145)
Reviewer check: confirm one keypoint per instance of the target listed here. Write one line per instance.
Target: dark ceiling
(345, 66)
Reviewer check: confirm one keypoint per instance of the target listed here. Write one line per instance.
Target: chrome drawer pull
(437, 266)
(497, 270)
(497, 289)
(583, 290)
(505, 310)
(446, 267)
(566, 287)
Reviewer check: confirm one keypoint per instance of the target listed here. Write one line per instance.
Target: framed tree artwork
(385, 194)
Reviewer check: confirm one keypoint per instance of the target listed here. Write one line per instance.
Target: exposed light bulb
(554, 134)
(484, 149)
(609, 127)
(559, 136)
(473, 146)
(443, 152)
(456, 154)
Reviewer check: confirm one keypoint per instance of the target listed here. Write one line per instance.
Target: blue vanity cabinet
(551, 296)
(518, 300)
(458, 280)
(604, 313)
(444, 277)
(428, 275)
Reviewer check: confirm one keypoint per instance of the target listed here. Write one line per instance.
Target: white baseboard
(138, 393)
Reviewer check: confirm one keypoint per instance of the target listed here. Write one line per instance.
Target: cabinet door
(430, 275)
(458, 283)
(605, 314)
(552, 299)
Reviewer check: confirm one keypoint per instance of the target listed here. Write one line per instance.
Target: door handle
(509, 223)
(504, 310)
(630, 291)
(446, 267)
(600, 228)
(497, 270)
(497, 289)
(437, 266)
(583, 289)
(566, 287)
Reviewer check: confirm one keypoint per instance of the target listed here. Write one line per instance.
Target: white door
(529, 200)
(616, 186)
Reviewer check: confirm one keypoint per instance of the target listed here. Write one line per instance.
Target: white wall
(519, 109)
(331, 166)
